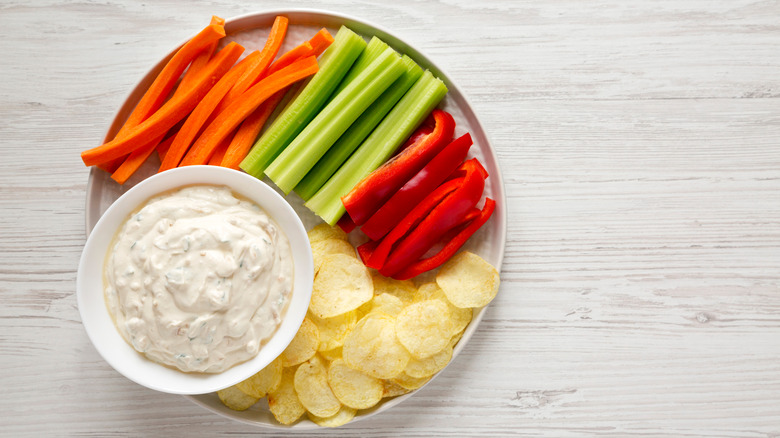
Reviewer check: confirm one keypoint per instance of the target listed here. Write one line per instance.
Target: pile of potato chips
(366, 337)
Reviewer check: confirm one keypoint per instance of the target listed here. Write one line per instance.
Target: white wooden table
(640, 147)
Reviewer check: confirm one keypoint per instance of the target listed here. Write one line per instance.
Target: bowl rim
(95, 315)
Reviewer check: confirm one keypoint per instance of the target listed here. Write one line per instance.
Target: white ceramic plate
(252, 30)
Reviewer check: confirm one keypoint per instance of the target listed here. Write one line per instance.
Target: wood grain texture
(640, 145)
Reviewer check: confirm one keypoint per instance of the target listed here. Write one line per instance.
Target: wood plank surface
(640, 150)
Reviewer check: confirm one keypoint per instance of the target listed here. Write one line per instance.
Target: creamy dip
(198, 279)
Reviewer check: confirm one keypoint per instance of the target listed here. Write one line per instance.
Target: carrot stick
(219, 152)
(314, 47)
(135, 160)
(250, 128)
(321, 40)
(196, 120)
(131, 163)
(163, 147)
(202, 59)
(157, 92)
(166, 79)
(234, 114)
(258, 69)
(174, 110)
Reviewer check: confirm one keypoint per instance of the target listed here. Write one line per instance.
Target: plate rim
(359, 25)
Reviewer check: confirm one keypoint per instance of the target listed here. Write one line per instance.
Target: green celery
(394, 129)
(333, 66)
(372, 51)
(350, 140)
(292, 164)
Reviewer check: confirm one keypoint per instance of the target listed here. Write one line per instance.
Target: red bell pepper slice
(370, 193)
(346, 223)
(450, 247)
(423, 131)
(366, 250)
(379, 255)
(424, 182)
(441, 219)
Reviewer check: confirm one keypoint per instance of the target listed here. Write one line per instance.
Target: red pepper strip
(346, 223)
(460, 226)
(461, 171)
(441, 219)
(370, 193)
(366, 250)
(450, 248)
(427, 179)
(423, 131)
(417, 214)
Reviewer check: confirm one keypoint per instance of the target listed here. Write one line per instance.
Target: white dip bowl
(90, 284)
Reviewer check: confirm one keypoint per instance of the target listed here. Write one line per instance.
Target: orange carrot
(161, 86)
(133, 162)
(130, 164)
(314, 47)
(174, 110)
(163, 147)
(196, 120)
(321, 41)
(165, 81)
(202, 59)
(233, 115)
(219, 152)
(258, 69)
(250, 128)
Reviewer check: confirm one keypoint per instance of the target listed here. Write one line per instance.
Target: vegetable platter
(252, 30)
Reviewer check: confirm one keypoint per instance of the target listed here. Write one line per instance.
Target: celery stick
(372, 51)
(396, 127)
(334, 64)
(287, 170)
(350, 140)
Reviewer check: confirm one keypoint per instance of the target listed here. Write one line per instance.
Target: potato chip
(373, 348)
(420, 368)
(327, 247)
(424, 328)
(460, 317)
(264, 381)
(405, 290)
(303, 346)
(425, 277)
(456, 338)
(392, 389)
(342, 417)
(334, 330)
(364, 308)
(236, 399)
(331, 355)
(411, 383)
(342, 284)
(352, 387)
(311, 385)
(384, 302)
(283, 402)
(325, 231)
(468, 280)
